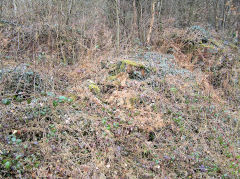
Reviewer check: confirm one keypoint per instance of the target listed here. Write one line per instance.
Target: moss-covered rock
(220, 44)
(132, 63)
(119, 80)
(111, 78)
(21, 80)
(135, 69)
(217, 43)
(198, 34)
(93, 87)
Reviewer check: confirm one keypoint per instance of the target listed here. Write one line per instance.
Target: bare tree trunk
(14, 7)
(118, 26)
(216, 14)
(1, 9)
(160, 4)
(207, 3)
(227, 5)
(69, 12)
(223, 13)
(190, 12)
(139, 20)
(237, 30)
(135, 14)
(151, 22)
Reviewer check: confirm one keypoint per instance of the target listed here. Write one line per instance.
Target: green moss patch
(94, 87)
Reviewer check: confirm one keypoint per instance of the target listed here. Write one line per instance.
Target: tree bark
(1, 9)
(216, 14)
(160, 4)
(118, 26)
(135, 17)
(69, 12)
(151, 22)
(14, 7)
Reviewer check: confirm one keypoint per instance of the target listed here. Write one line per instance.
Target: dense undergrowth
(169, 113)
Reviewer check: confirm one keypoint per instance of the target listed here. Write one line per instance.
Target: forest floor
(172, 112)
